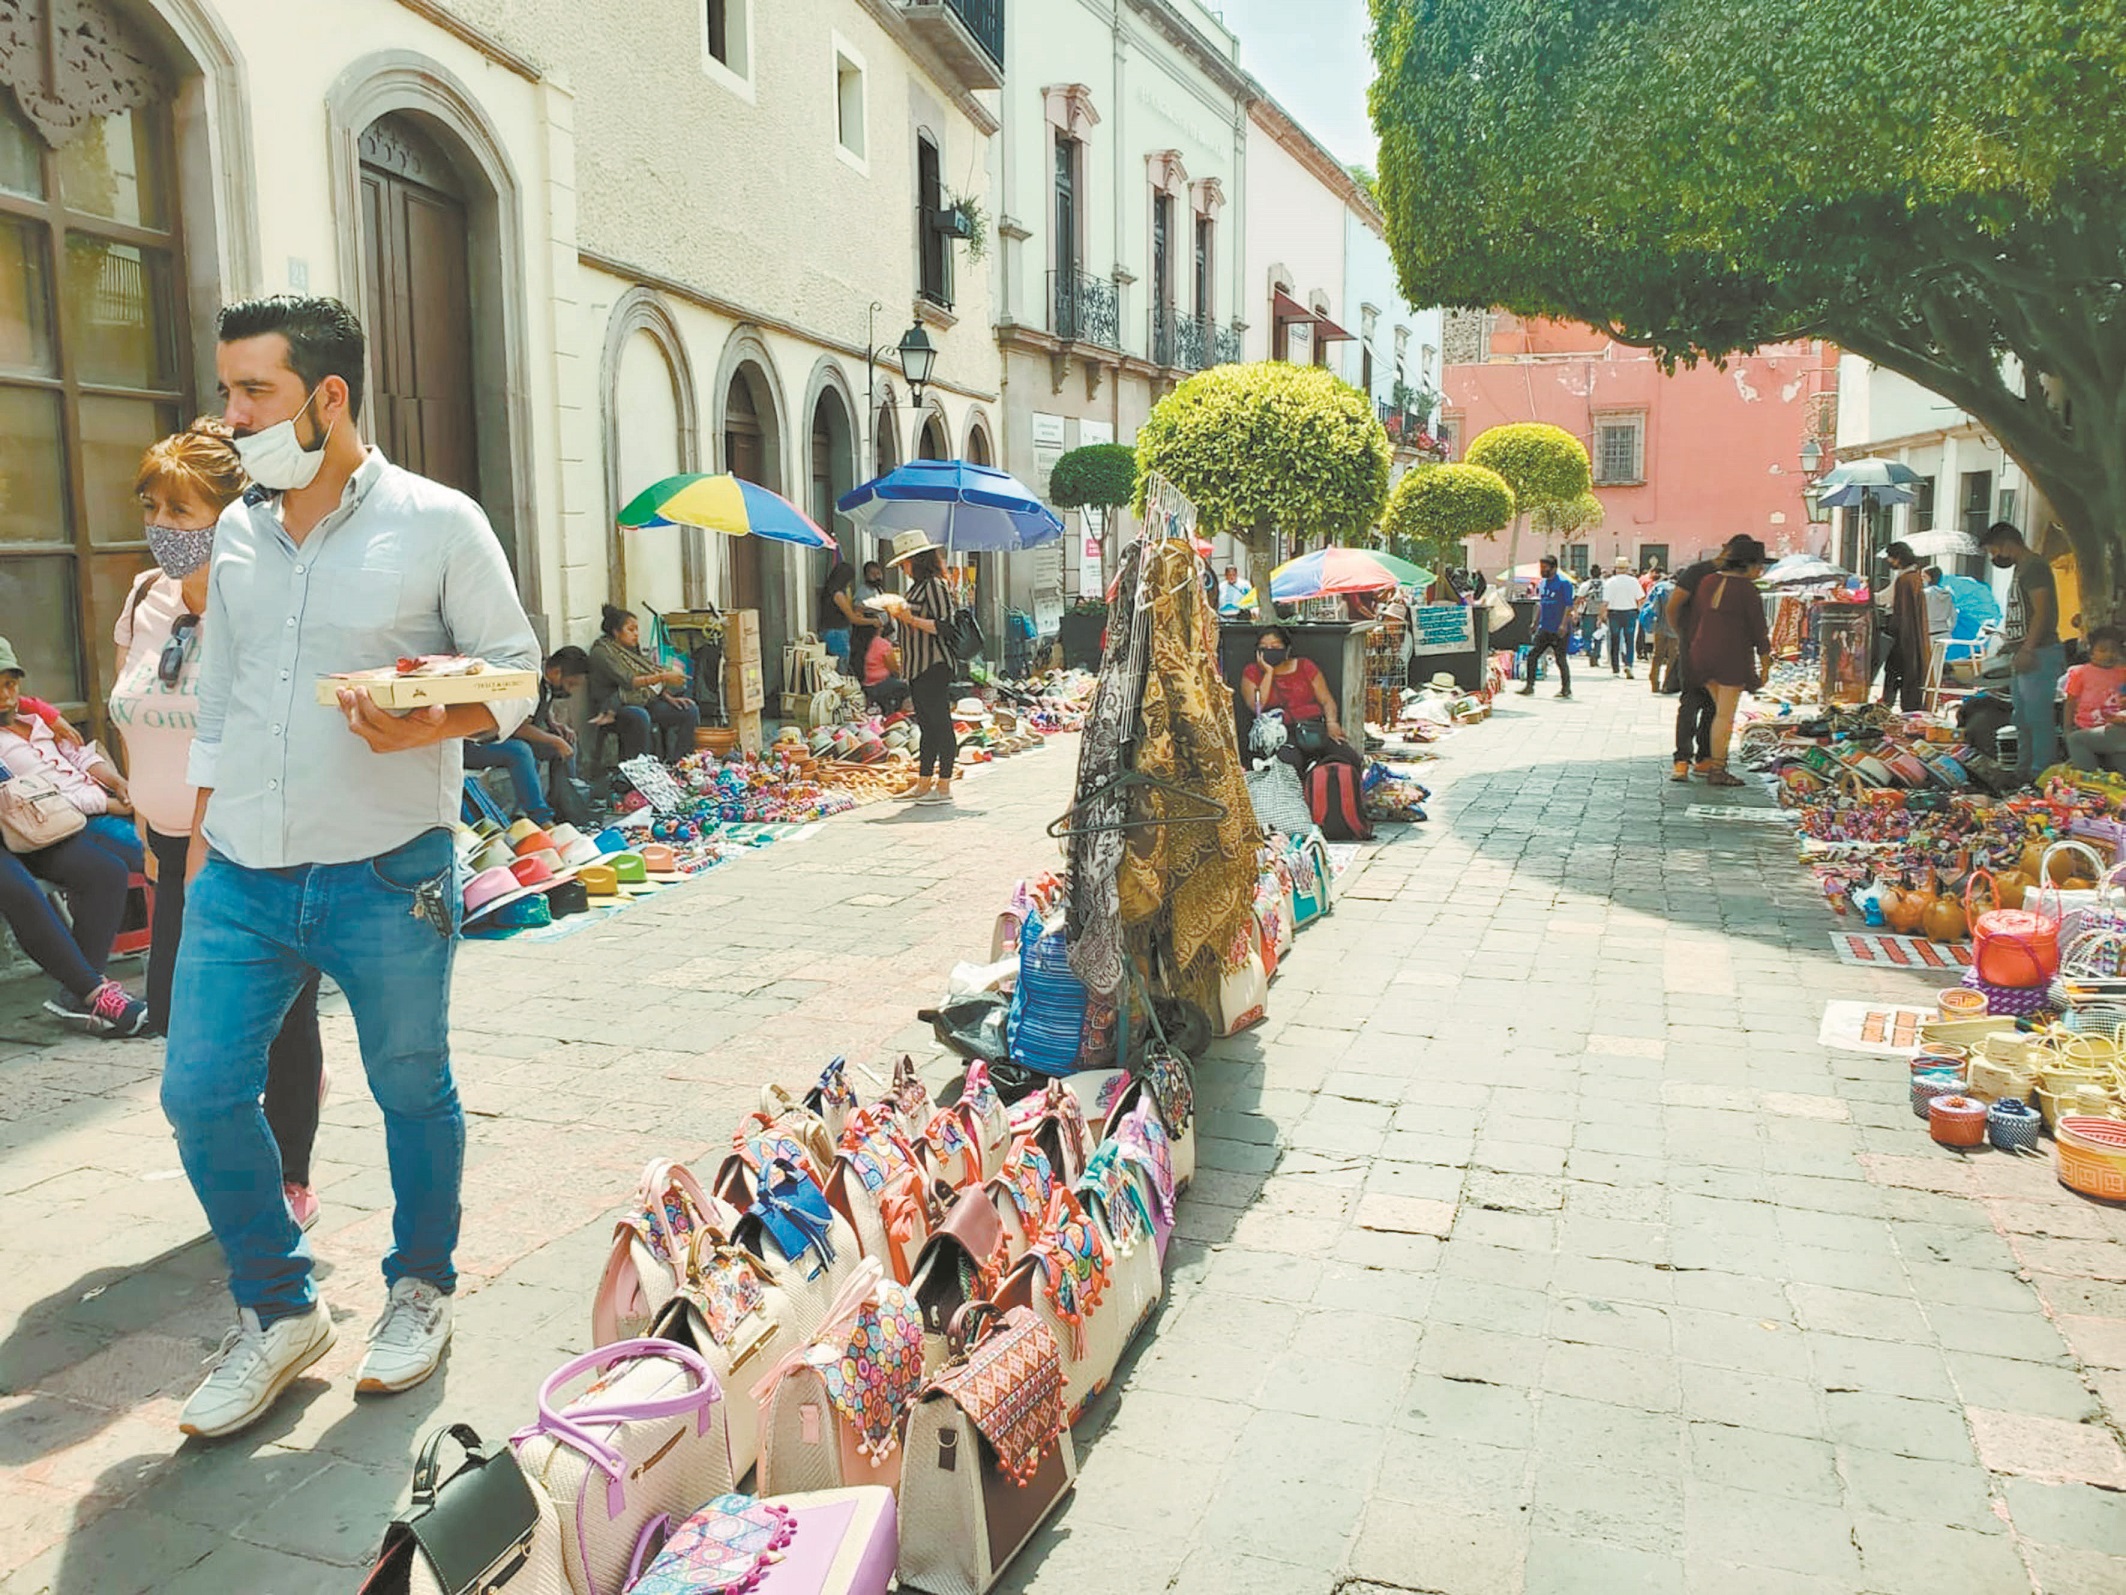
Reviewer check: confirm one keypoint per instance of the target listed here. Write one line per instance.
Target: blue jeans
(119, 837)
(1623, 641)
(2033, 698)
(521, 760)
(252, 939)
(1589, 623)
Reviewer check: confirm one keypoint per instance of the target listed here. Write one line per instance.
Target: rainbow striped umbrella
(1329, 570)
(724, 504)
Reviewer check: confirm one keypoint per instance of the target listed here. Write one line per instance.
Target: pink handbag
(826, 1542)
(643, 1269)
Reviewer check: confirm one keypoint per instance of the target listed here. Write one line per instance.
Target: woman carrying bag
(930, 663)
(184, 484)
(1730, 644)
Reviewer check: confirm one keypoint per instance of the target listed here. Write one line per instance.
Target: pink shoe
(303, 1205)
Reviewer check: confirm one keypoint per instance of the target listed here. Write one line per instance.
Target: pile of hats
(525, 876)
(987, 733)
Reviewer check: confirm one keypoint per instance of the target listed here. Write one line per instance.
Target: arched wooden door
(417, 263)
(745, 455)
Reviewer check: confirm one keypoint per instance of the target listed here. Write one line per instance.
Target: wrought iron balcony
(1225, 346)
(1163, 344)
(968, 35)
(1083, 308)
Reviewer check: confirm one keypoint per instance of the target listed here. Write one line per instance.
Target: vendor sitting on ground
(2094, 709)
(884, 689)
(641, 693)
(1298, 690)
(540, 755)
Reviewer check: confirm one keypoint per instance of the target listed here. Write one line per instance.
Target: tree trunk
(1261, 541)
(1513, 540)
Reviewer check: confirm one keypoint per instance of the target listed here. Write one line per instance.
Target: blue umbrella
(1849, 493)
(1976, 608)
(967, 507)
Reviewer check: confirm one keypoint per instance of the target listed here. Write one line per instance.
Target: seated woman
(94, 879)
(1298, 690)
(884, 689)
(639, 691)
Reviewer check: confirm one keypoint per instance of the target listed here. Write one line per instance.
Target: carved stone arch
(978, 427)
(746, 360)
(746, 352)
(646, 311)
(934, 424)
(847, 469)
(409, 83)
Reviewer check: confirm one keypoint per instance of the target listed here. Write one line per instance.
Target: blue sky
(1311, 54)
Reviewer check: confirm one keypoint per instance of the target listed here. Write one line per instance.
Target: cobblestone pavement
(1537, 1245)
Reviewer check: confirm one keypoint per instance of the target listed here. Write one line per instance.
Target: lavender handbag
(646, 1438)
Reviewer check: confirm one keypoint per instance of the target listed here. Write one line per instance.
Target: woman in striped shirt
(930, 664)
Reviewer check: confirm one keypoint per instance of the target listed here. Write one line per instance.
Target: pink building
(1681, 463)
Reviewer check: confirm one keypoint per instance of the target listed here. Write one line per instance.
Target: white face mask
(276, 460)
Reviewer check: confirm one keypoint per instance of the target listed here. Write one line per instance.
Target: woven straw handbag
(988, 1454)
(1165, 1077)
(1114, 1200)
(880, 1188)
(649, 1250)
(730, 1312)
(1067, 1282)
(646, 1438)
(809, 1249)
(831, 1410)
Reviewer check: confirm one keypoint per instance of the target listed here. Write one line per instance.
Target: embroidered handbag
(486, 1528)
(833, 1099)
(730, 1312)
(1280, 802)
(831, 1410)
(909, 1098)
(1310, 880)
(1164, 1075)
(644, 1439)
(1147, 1151)
(982, 1112)
(880, 1186)
(1020, 1195)
(959, 1264)
(726, 1548)
(649, 1249)
(1115, 1201)
(34, 813)
(779, 1110)
(1065, 1281)
(1058, 1128)
(988, 1455)
(809, 1248)
(833, 1542)
(1244, 992)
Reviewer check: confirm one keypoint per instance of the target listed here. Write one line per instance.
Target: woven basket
(2013, 1126)
(2091, 1155)
(1998, 1081)
(1930, 1084)
(1957, 1121)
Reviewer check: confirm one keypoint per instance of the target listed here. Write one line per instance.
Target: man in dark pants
(1694, 711)
(1554, 596)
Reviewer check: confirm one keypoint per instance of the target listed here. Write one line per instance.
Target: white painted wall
(1294, 220)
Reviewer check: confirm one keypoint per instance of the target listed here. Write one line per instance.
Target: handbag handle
(662, 1175)
(647, 1544)
(841, 1318)
(425, 1465)
(1993, 893)
(570, 1426)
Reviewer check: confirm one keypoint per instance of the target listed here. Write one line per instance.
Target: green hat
(632, 874)
(8, 661)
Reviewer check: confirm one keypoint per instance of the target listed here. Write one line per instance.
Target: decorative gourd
(1901, 909)
(2009, 886)
(1945, 920)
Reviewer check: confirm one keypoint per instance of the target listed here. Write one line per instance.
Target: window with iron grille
(1620, 450)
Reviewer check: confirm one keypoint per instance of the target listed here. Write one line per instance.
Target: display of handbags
(988, 1454)
(1065, 1281)
(731, 1312)
(649, 1249)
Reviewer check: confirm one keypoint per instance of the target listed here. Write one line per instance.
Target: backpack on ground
(1332, 798)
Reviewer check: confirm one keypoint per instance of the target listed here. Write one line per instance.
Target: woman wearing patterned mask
(185, 482)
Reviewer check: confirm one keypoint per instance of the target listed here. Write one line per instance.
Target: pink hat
(487, 886)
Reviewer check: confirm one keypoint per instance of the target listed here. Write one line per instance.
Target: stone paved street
(1537, 1245)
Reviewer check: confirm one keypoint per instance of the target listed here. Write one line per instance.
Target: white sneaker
(252, 1368)
(407, 1340)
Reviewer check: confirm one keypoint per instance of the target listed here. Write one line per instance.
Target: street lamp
(918, 359)
(1811, 457)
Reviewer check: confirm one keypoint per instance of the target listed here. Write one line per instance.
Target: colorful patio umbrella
(1329, 570)
(967, 508)
(726, 504)
(1976, 609)
(1406, 574)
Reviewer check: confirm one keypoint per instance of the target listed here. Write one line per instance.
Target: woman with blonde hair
(184, 483)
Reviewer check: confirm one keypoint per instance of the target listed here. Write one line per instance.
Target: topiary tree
(1269, 448)
(1436, 508)
(1546, 466)
(1555, 522)
(1095, 476)
(1938, 185)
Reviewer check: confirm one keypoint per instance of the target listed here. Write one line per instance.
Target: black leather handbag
(1310, 736)
(485, 1528)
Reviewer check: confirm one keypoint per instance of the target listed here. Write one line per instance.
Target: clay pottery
(1944, 920)
(2009, 888)
(2033, 859)
(1902, 909)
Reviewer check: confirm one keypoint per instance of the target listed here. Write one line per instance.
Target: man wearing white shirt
(1622, 595)
(1232, 593)
(322, 839)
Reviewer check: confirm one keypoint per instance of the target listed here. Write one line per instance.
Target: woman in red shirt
(1298, 690)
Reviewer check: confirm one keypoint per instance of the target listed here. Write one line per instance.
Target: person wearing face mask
(1300, 692)
(322, 839)
(184, 483)
(2030, 636)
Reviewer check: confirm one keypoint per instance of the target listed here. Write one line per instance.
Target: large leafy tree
(1938, 185)
(1546, 466)
(1266, 449)
(1435, 508)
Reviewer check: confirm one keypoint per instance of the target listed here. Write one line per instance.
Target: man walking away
(1553, 607)
(2030, 634)
(1621, 596)
(1694, 710)
(323, 839)
(1661, 674)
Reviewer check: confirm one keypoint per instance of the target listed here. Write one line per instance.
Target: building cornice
(887, 14)
(731, 309)
(481, 40)
(1177, 31)
(1303, 147)
(1967, 431)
